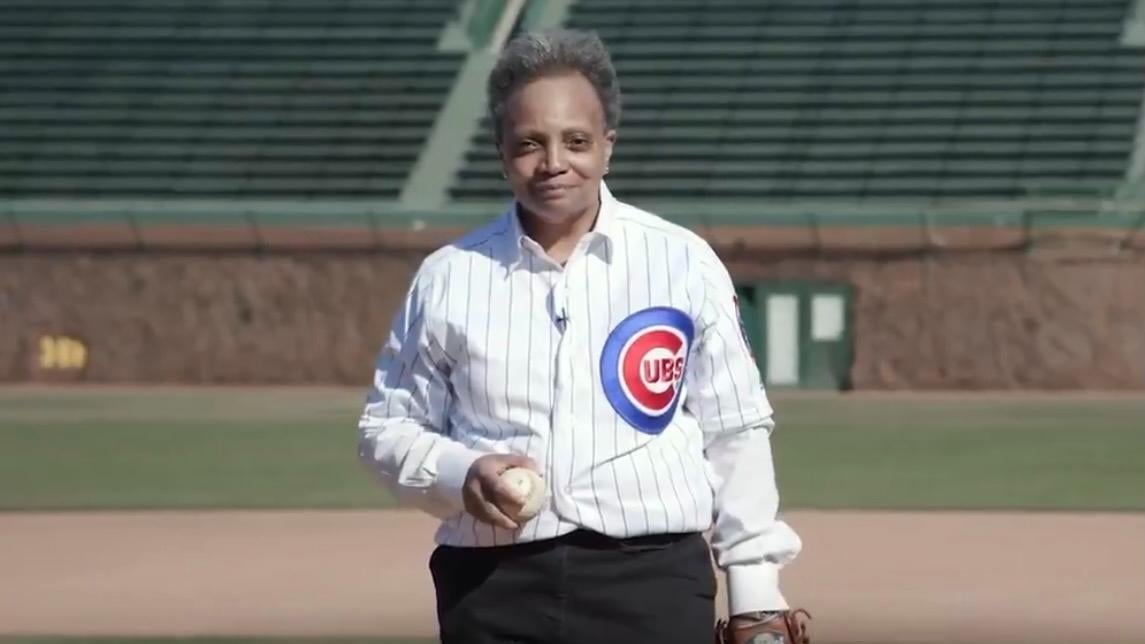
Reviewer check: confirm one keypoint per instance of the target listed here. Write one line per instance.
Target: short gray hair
(533, 55)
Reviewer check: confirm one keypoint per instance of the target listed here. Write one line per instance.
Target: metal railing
(1114, 218)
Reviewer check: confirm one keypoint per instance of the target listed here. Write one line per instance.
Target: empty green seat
(796, 99)
(247, 98)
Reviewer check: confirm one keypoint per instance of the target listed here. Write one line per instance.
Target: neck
(558, 239)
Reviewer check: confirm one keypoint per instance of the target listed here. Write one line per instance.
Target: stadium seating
(290, 98)
(916, 99)
(777, 100)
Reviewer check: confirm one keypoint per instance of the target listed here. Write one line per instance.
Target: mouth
(550, 190)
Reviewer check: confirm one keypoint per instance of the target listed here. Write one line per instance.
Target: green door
(800, 333)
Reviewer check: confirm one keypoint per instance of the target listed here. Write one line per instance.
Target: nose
(555, 162)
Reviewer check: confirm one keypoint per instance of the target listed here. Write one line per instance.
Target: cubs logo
(643, 364)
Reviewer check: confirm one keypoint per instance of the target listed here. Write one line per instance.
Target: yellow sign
(58, 352)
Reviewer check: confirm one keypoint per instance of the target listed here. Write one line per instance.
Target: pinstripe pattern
(470, 365)
(629, 279)
(523, 382)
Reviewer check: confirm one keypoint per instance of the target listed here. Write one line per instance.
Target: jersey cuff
(453, 465)
(754, 587)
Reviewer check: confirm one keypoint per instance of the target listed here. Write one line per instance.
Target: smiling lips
(551, 191)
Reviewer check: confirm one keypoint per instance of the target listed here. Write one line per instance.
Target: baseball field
(227, 515)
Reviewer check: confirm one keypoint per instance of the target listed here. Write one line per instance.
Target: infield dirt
(865, 576)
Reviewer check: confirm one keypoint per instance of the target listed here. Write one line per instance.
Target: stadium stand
(859, 99)
(736, 99)
(163, 98)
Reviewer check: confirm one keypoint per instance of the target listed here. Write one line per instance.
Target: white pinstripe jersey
(623, 374)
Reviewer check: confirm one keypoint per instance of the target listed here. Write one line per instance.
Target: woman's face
(554, 147)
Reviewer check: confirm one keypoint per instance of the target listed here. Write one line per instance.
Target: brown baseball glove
(781, 627)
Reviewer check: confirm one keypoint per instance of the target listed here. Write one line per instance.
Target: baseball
(529, 488)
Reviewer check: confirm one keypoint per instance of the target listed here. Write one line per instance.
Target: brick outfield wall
(980, 321)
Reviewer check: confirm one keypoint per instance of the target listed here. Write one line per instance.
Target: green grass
(251, 448)
(963, 468)
(181, 465)
(1047, 455)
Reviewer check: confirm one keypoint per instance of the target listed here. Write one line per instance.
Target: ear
(609, 142)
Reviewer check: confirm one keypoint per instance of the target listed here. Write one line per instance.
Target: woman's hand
(487, 496)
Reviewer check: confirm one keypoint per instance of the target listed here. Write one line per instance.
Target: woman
(600, 346)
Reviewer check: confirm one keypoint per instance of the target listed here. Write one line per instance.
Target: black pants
(582, 588)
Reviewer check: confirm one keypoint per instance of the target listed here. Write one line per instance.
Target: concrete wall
(987, 321)
(958, 321)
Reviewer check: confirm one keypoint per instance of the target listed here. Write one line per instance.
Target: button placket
(564, 412)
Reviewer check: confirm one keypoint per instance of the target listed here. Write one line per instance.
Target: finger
(495, 516)
(494, 488)
(518, 460)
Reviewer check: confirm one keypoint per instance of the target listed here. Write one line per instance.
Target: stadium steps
(110, 98)
(798, 99)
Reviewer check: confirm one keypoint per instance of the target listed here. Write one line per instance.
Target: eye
(579, 142)
(526, 146)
